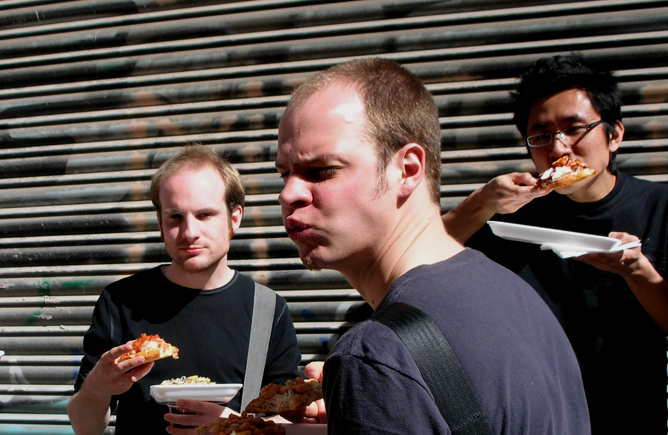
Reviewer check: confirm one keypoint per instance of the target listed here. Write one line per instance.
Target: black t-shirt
(510, 345)
(211, 329)
(621, 351)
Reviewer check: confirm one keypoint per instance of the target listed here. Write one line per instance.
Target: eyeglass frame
(560, 135)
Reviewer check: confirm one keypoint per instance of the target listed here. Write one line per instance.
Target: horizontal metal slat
(266, 269)
(117, 227)
(11, 424)
(43, 316)
(118, 238)
(38, 389)
(34, 404)
(37, 375)
(40, 360)
(116, 191)
(134, 143)
(140, 252)
(43, 17)
(59, 344)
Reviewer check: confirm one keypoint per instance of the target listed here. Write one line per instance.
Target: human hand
(189, 414)
(509, 192)
(315, 412)
(110, 377)
(623, 262)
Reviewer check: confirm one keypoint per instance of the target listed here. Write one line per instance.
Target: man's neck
(598, 190)
(204, 280)
(418, 240)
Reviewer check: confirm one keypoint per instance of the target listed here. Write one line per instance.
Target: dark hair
(196, 156)
(549, 76)
(399, 110)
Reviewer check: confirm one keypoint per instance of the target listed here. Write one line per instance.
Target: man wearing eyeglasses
(613, 306)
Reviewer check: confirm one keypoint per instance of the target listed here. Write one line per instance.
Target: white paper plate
(219, 393)
(564, 243)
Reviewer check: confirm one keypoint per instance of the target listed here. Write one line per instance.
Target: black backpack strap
(439, 366)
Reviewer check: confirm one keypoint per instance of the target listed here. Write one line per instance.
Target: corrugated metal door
(96, 94)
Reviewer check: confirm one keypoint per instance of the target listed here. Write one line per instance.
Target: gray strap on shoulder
(261, 326)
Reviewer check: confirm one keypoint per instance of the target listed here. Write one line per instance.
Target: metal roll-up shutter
(96, 94)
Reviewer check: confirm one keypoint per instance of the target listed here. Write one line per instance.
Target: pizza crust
(289, 397)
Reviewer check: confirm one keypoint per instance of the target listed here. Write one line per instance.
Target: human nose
(561, 145)
(190, 228)
(295, 193)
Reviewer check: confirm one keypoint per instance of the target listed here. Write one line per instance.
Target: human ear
(413, 162)
(616, 136)
(235, 218)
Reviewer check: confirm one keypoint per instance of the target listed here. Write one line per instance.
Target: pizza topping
(564, 172)
(241, 425)
(293, 395)
(152, 348)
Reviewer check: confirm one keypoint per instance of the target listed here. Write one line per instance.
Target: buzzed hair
(399, 110)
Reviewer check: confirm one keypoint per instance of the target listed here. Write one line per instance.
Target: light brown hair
(197, 156)
(399, 110)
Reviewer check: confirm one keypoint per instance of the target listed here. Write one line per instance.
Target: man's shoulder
(372, 342)
(248, 281)
(635, 185)
(149, 275)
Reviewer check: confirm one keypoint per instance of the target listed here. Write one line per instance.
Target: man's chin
(195, 266)
(308, 263)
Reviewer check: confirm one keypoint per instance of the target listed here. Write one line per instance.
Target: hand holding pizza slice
(289, 397)
(241, 424)
(152, 348)
(564, 172)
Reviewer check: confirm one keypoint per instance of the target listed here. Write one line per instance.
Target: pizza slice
(564, 172)
(152, 348)
(293, 395)
(241, 424)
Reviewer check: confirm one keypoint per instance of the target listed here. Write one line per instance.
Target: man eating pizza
(196, 308)
(359, 153)
(613, 307)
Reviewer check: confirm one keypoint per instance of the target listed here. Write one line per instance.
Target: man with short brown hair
(361, 197)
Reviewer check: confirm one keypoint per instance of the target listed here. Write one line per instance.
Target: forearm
(651, 290)
(89, 415)
(467, 217)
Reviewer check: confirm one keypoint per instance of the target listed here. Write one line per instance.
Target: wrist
(641, 272)
(92, 394)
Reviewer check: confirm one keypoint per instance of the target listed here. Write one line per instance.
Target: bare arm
(88, 409)
(503, 194)
(645, 281)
